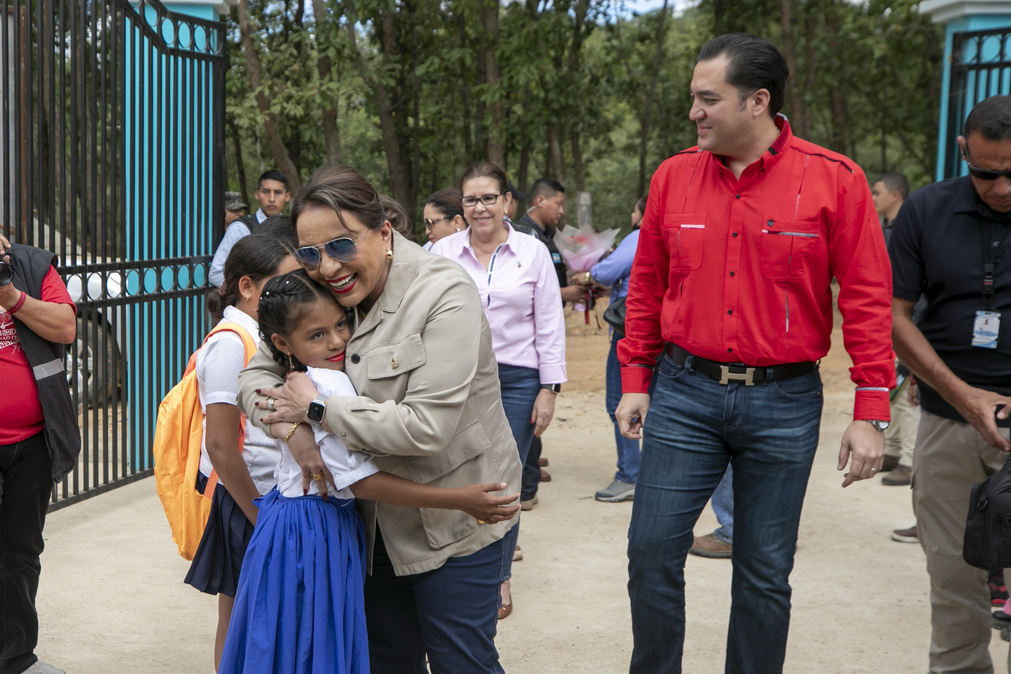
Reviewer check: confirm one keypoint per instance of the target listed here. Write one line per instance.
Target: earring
(291, 363)
(389, 253)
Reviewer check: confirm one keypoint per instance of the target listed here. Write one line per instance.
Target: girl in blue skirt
(299, 607)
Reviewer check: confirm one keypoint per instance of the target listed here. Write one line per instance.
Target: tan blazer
(429, 407)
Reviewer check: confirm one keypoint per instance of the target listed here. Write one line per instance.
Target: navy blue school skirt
(218, 559)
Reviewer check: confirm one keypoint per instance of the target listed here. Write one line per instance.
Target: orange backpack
(177, 438)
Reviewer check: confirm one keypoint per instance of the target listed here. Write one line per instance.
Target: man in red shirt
(39, 437)
(741, 238)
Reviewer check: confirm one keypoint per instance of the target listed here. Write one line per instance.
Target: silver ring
(270, 404)
(874, 470)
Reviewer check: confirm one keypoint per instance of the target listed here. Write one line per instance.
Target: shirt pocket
(684, 234)
(790, 248)
(397, 359)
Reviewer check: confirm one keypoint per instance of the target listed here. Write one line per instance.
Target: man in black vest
(39, 437)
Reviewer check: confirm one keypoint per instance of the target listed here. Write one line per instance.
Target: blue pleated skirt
(300, 605)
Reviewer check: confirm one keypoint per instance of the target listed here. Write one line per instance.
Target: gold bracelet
(292, 431)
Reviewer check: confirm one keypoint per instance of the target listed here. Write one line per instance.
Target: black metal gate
(980, 68)
(112, 146)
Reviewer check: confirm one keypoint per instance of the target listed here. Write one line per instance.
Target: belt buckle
(726, 376)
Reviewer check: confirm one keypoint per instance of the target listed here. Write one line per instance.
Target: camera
(6, 273)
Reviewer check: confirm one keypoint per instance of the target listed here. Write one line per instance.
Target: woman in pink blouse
(520, 296)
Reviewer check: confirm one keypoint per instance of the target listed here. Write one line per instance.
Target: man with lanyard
(732, 283)
(272, 194)
(949, 243)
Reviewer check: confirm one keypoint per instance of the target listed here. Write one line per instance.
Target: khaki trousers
(951, 457)
(900, 436)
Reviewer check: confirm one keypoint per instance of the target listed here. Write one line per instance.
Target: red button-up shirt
(739, 270)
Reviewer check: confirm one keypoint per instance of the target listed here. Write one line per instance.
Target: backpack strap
(249, 347)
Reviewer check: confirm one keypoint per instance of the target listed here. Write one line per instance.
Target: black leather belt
(728, 372)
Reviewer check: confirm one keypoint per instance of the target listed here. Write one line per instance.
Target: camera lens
(6, 273)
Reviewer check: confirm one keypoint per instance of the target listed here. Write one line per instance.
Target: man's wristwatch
(554, 388)
(317, 410)
(877, 424)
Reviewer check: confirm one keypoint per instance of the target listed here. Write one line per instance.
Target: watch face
(316, 411)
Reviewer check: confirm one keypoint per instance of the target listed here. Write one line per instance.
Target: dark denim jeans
(519, 387)
(723, 506)
(693, 428)
(448, 615)
(25, 487)
(628, 450)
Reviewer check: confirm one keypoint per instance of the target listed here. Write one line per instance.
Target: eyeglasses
(486, 199)
(429, 222)
(342, 250)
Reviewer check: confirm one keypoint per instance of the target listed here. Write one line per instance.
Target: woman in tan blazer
(428, 409)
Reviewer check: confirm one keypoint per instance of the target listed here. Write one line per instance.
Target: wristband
(292, 431)
(17, 305)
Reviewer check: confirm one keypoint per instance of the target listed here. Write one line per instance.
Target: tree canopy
(411, 92)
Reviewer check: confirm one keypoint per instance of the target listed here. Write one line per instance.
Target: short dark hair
(547, 187)
(284, 302)
(893, 182)
(754, 64)
(486, 169)
(256, 256)
(272, 174)
(279, 227)
(990, 118)
(447, 202)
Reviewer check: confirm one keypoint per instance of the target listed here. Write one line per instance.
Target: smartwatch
(878, 425)
(554, 388)
(317, 410)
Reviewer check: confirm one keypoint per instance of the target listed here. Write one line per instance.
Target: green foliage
(585, 70)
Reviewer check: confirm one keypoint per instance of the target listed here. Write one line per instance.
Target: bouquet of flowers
(581, 249)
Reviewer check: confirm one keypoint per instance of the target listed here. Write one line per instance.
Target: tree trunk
(554, 157)
(489, 21)
(240, 167)
(837, 95)
(330, 100)
(646, 118)
(793, 97)
(277, 147)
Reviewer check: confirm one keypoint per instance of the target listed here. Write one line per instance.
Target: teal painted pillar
(174, 170)
(977, 51)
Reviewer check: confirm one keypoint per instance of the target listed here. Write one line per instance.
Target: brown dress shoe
(711, 546)
(902, 476)
(542, 462)
(890, 463)
(545, 476)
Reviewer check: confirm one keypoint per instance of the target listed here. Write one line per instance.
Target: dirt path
(112, 599)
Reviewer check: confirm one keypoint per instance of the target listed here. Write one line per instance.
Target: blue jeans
(723, 506)
(628, 450)
(519, 387)
(449, 614)
(693, 428)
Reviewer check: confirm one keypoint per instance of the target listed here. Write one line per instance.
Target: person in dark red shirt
(732, 283)
(39, 436)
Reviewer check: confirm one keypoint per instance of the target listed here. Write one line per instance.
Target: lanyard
(990, 248)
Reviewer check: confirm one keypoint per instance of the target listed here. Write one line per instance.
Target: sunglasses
(429, 222)
(987, 174)
(343, 249)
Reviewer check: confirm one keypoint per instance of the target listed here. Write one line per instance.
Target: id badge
(986, 329)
